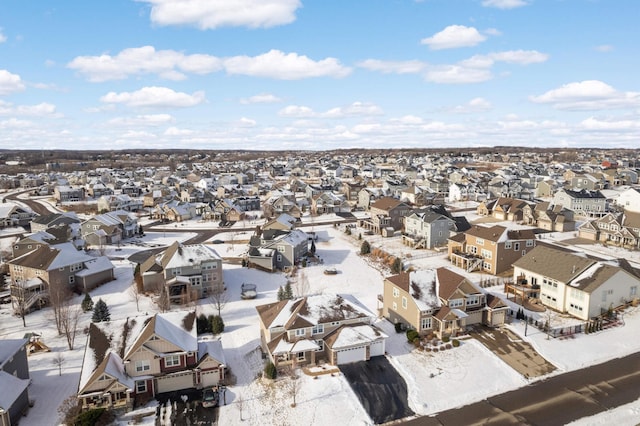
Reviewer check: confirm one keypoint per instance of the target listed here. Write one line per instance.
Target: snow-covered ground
(434, 379)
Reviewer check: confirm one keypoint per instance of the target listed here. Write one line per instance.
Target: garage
(351, 355)
(175, 382)
(210, 378)
(377, 348)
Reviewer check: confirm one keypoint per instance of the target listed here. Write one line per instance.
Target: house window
(320, 344)
(480, 241)
(456, 303)
(104, 377)
(281, 249)
(317, 329)
(404, 302)
(473, 249)
(72, 279)
(529, 243)
(154, 337)
(143, 365)
(279, 258)
(486, 266)
(507, 245)
(524, 252)
(300, 356)
(395, 306)
(425, 323)
(396, 292)
(141, 386)
(172, 361)
(633, 290)
(486, 254)
(473, 300)
(300, 332)
(516, 246)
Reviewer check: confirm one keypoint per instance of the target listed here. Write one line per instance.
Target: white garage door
(377, 348)
(352, 355)
(210, 378)
(175, 382)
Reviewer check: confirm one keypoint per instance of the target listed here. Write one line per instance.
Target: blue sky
(318, 74)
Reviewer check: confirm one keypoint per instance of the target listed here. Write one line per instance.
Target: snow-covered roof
(68, 255)
(424, 288)
(95, 265)
(169, 327)
(213, 348)
(188, 255)
(12, 387)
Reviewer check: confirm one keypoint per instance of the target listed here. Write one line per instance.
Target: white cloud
(355, 109)
(396, 67)
(493, 32)
(596, 124)
(41, 109)
(245, 122)
(10, 83)
(278, 65)
(297, 111)
(142, 120)
(262, 98)
(154, 97)
(454, 36)
(168, 64)
(603, 48)
(408, 120)
(14, 123)
(522, 57)
(174, 131)
(504, 4)
(474, 105)
(3, 37)
(588, 95)
(211, 14)
(456, 74)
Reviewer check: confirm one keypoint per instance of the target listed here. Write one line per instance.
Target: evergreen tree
(203, 324)
(280, 293)
(87, 303)
(365, 248)
(313, 248)
(217, 324)
(396, 267)
(100, 312)
(288, 293)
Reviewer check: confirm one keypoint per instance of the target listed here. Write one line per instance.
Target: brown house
(490, 249)
(438, 301)
(386, 215)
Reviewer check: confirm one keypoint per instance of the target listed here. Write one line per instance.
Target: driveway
(380, 389)
(510, 348)
(188, 408)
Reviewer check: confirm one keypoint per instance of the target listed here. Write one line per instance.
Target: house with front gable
(427, 229)
(570, 282)
(438, 301)
(14, 381)
(490, 249)
(503, 208)
(281, 202)
(109, 228)
(331, 328)
(328, 202)
(550, 217)
(629, 200)
(277, 249)
(13, 215)
(187, 271)
(119, 202)
(618, 229)
(43, 223)
(368, 195)
(386, 215)
(155, 354)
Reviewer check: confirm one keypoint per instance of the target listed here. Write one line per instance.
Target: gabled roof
(553, 263)
(177, 328)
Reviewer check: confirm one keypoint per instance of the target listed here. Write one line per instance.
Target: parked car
(248, 291)
(209, 397)
(330, 271)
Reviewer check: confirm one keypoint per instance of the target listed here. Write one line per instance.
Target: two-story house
(14, 381)
(61, 266)
(14, 215)
(156, 354)
(619, 229)
(276, 249)
(326, 327)
(584, 203)
(581, 286)
(109, 228)
(438, 301)
(490, 249)
(427, 229)
(386, 215)
(188, 271)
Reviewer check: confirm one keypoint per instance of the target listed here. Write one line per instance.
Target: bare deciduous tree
(240, 403)
(294, 384)
(69, 316)
(58, 361)
(59, 294)
(19, 296)
(302, 286)
(134, 293)
(219, 299)
(162, 300)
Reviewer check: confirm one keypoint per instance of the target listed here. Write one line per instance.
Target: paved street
(554, 401)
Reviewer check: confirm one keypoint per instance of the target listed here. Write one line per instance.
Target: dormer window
(317, 329)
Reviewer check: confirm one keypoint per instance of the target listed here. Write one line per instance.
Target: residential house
(108, 203)
(61, 266)
(438, 301)
(109, 228)
(187, 271)
(386, 216)
(584, 203)
(278, 203)
(327, 202)
(367, 196)
(154, 355)
(629, 200)
(43, 223)
(276, 249)
(30, 242)
(323, 328)
(550, 217)
(576, 284)
(490, 249)
(545, 189)
(503, 208)
(13, 215)
(65, 193)
(427, 229)
(14, 381)
(619, 229)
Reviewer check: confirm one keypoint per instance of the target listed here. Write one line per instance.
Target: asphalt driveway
(380, 389)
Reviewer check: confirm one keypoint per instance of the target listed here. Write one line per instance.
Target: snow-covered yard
(436, 381)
